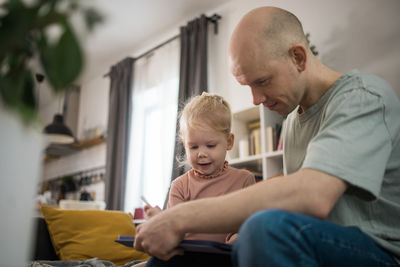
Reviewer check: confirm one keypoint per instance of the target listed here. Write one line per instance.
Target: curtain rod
(214, 19)
(157, 47)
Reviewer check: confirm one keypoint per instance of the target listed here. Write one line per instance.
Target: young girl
(205, 130)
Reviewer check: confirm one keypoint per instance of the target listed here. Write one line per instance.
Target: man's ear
(298, 56)
(231, 140)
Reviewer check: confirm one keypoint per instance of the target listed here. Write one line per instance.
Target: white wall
(93, 112)
(361, 34)
(93, 106)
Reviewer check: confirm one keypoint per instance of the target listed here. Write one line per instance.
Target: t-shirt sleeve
(176, 195)
(353, 143)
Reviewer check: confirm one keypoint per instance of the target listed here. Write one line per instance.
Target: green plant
(313, 48)
(24, 35)
(69, 183)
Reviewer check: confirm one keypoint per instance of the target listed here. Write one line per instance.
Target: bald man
(339, 203)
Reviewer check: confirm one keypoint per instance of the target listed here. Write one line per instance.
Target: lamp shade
(58, 132)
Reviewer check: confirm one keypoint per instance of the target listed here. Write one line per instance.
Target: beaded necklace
(204, 176)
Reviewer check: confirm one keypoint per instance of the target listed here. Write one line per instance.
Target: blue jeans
(280, 238)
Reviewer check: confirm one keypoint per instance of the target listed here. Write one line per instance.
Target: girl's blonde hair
(206, 110)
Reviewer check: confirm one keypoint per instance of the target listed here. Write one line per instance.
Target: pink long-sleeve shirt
(191, 186)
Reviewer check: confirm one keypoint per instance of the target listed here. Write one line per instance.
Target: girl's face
(206, 149)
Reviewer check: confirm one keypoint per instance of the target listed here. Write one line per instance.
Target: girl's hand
(151, 211)
(230, 239)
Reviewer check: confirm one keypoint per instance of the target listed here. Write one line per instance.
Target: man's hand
(159, 236)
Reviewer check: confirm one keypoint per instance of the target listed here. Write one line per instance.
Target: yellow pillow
(85, 234)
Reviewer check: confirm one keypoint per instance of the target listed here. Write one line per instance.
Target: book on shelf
(280, 144)
(253, 125)
(257, 141)
(273, 138)
(254, 137)
(269, 139)
(257, 175)
(277, 133)
(251, 144)
(280, 138)
(258, 178)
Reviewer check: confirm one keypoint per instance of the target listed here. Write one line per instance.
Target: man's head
(269, 53)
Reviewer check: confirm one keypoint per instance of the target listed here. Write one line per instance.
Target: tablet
(200, 246)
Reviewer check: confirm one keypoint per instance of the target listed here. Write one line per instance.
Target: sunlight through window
(153, 125)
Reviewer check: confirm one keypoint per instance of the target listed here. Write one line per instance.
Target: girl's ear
(183, 143)
(231, 140)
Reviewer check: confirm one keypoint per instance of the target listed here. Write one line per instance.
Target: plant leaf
(11, 87)
(62, 61)
(17, 93)
(15, 26)
(27, 106)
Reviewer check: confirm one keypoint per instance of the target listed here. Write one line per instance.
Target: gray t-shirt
(353, 133)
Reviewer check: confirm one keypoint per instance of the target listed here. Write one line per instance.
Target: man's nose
(258, 98)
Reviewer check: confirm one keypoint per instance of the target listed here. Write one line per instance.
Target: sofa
(42, 247)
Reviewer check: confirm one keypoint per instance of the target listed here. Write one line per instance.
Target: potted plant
(41, 31)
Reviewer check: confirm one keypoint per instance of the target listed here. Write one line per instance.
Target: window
(153, 125)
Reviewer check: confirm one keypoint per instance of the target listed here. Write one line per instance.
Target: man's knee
(266, 221)
(258, 235)
(268, 227)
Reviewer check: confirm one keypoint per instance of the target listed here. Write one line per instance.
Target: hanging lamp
(57, 132)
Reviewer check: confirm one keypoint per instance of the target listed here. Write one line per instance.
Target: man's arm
(307, 191)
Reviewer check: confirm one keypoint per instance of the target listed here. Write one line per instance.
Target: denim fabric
(280, 238)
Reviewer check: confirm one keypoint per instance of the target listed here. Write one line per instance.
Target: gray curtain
(193, 74)
(117, 133)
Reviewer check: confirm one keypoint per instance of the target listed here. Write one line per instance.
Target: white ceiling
(128, 24)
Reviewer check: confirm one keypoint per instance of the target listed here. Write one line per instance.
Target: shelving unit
(268, 163)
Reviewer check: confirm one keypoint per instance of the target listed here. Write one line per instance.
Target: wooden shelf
(48, 158)
(90, 142)
(56, 151)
